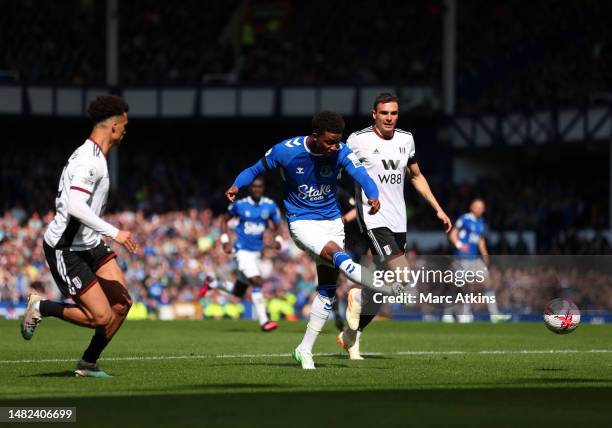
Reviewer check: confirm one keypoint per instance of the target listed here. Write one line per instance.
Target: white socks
(260, 306)
(352, 270)
(319, 312)
(363, 276)
(492, 305)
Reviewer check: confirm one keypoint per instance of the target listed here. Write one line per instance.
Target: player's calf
(122, 308)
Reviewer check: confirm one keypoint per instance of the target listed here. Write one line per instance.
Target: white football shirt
(386, 162)
(86, 171)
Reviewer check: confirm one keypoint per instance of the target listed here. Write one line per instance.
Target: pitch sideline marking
(322, 354)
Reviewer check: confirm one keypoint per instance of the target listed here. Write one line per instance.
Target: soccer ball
(561, 316)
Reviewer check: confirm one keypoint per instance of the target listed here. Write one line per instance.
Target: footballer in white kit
(82, 265)
(388, 154)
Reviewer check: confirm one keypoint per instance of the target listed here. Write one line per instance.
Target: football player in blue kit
(472, 255)
(255, 214)
(310, 167)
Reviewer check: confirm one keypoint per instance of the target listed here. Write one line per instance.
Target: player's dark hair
(385, 97)
(106, 106)
(327, 121)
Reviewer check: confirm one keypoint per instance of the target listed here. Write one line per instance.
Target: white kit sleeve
(77, 207)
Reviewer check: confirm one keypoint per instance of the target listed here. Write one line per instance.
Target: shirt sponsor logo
(252, 228)
(313, 193)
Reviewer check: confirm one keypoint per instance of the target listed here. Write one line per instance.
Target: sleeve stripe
(81, 189)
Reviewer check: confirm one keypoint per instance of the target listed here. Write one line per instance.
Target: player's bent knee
(104, 319)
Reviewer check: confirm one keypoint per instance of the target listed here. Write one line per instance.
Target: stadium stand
(60, 42)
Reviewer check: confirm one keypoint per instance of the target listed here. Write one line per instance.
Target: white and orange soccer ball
(561, 316)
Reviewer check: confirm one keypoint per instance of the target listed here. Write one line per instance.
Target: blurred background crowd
(179, 250)
(548, 54)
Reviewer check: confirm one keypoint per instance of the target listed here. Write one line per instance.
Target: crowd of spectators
(166, 42)
(552, 205)
(53, 42)
(508, 57)
(303, 42)
(179, 250)
(545, 54)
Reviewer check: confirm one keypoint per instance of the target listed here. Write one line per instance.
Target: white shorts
(312, 235)
(248, 263)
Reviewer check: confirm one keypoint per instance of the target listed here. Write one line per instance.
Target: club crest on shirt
(77, 282)
(326, 171)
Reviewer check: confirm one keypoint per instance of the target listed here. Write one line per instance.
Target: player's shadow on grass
(63, 373)
(366, 356)
(297, 366)
(551, 369)
(514, 406)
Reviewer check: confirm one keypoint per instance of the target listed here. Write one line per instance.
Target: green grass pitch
(224, 373)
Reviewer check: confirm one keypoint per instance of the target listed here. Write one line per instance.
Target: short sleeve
(351, 143)
(271, 159)
(412, 152)
(459, 223)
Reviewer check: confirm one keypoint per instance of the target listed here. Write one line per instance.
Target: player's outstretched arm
(77, 207)
(420, 183)
(356, 170)
(244, 179)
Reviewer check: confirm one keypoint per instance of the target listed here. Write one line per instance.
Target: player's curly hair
(106, 106)
(385, 97)
(327, 121)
